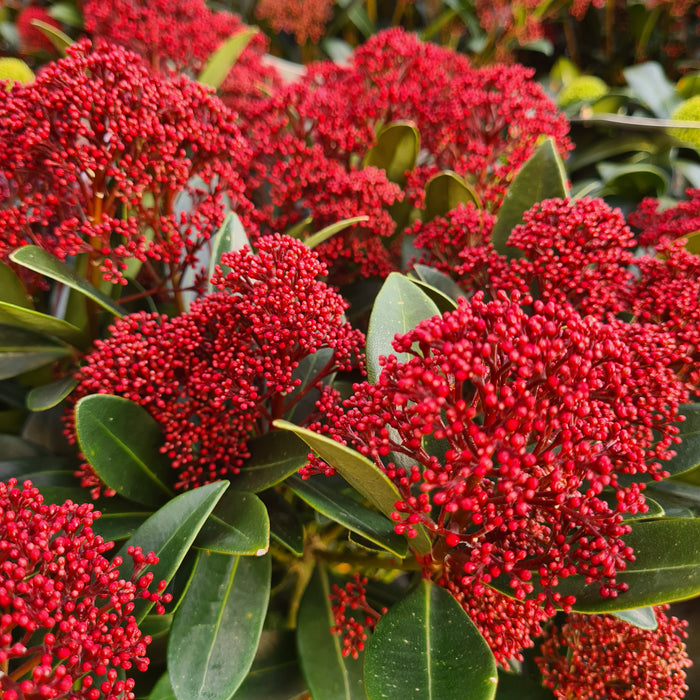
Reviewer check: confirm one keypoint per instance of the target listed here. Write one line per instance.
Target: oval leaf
(41, 398)
(396, 151)
(217, 627)
(224, 58)
(37, 322)
(238, 525)
(323, 496)
(399, 307)
(445, 192)
(230, 236)
(12, 290)
(643, 618)
(541, 177)
(364, 476)
(170, 532)
(688, 450)
(427, 648)
(121, 441)
(59, 40)
(273, 457)
(327, 672)
(325, 233)
(37, 259)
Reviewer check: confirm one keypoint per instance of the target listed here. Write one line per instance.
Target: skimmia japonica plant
(367, 401)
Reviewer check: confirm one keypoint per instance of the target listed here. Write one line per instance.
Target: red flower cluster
(95, 153)
(599, 657)
(65, 610)
(223, 371)
(304, 19)
(180, 35)
(510, 425)
(482, 123)
(658, 227)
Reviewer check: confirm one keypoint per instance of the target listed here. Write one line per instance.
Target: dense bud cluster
(303, 18)
(509, 425)
(66, 623)
(482, 123)
(223, 371)
(600, 657)
(95, 153)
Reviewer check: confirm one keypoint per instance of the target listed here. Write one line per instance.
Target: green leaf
(444, 303)
(541, 177)
(426, 647)
(395, 151)
(162, 690)
(688, 451)
(399, 307)
(121, 441)
(273, 457)
(633, 181)
(238, 525)
(643, 618)
(308, 371)
(679, 499)
(60, 40)
(230, 236)
(325, 233)
(322, 494)
(224, 58)
(650, 85)
(327, 672)
(275, 673)
(34, 258)
(41, 398)
(12, 364)
(66, 13)
(12, 290)
(440, 281)
(37, 322)
(216, 630)
(607, 148)
(445, 192)
(512, 686)
(285, 526)
(666, 568)
(364, 476)
(169, 532)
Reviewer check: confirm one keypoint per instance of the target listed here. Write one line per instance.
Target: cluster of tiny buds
(66, 613)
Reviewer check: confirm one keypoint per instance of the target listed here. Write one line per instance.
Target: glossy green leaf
(60, 40)
(445, 192)
(34, 258)
(325, 233)
(327, 672)
(122, 443)
(162, 690)
(649, 83)
(323, 496)
(41, 398)
(273, 457)
(678, 498)
(230, 236)
(633, 181)
(307, 372)
(643, 618)
(364, 476)
(440, 281)
(608, 148)
(426, 647)
(37, 322)
(12, 290)
(275, 673)
(224, 58)
(12, 364)
(238, 525)
(217, 628)
(395, 151)
(398, 308)
(666, 568)
(541, 177)
(285, 526)
(688, 451)
(170, 532)
(444, 303)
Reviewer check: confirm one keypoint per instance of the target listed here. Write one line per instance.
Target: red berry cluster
(600, 657)
(482, 123)
(223, 371)
(96, 154)
(510, 424)
(65, 611)
(306, 20)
